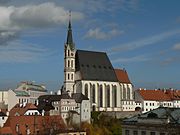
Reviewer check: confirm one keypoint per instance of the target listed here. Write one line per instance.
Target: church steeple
(69, 34)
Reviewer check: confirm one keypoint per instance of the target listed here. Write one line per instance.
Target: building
(161, 121)
(152, 99)
(92, 74)
(71, 132)
(15, 97)
(33, 90)
(25, 92)
(34, 125)
(63, 104)
(24, 109)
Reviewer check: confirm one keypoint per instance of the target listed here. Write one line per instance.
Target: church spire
(69, 34)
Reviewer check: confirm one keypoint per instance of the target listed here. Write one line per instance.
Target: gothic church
(92, 74)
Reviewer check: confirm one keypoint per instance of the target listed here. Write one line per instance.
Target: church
(92, 74)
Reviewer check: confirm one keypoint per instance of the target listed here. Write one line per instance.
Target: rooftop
(122, 76)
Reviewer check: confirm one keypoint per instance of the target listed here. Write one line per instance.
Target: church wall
(97, 103)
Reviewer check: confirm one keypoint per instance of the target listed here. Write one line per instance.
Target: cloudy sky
(141, 36)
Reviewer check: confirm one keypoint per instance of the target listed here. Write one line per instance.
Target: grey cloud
(7, 36)
(176, 47)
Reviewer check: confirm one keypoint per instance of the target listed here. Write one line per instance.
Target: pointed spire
(69, 35)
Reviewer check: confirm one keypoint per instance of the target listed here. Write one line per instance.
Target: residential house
(160, 121)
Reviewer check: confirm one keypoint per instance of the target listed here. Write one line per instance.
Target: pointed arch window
(128, 93)
(86, 90)
(108, 95)
(115, 95)
(124, 92)
(101, 96)
(93, 93)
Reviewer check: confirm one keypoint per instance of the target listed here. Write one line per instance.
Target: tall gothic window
(68, 53)
(124, 92)
(72, 64)
(71, 76)
(86, 90)
(93, 93)
(101, 96)
(128, 92)
(108, 96)
(115, 95)
(68, 63)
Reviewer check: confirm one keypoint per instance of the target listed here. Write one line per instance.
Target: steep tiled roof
(94, 66)
(122, 76)
(5, 131)
(43, 124)
(157, 95)
(22, 110)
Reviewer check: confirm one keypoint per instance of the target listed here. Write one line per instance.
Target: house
(152, 99)
(92, 74)
(160, 121)
(63, 104)
(25, 109)
(34, 124)
(34, 90)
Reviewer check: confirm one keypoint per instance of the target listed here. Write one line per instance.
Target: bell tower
(69, 61)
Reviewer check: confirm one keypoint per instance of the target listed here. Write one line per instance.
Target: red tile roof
(5, 131)
(156, 95)
(122, 76)
(22, 110)
(43, 124)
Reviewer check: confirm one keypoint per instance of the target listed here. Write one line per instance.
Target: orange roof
(156, 95)
(5, 130)
(34, 123)
(122, 76)
(22, 110)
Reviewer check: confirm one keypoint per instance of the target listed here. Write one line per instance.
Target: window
(68, 63)
(146, 104)
(108, 95)
(115, 96)
(128, 93)
(93, 93)
(2, 118)
(127, 132)
(101, 96)
(143, 132)
(72, 63)
(135, 132)
(86, 90)
(71, 76)
(152, 133)
(68, 76)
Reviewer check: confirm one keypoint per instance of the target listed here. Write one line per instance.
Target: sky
(141, 36)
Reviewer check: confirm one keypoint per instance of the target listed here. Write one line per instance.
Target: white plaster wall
(3, 120)
(4, 97)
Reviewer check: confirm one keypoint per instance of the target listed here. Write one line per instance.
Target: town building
(63, 104)
(152, 99)
(161, 121)
(92, 74)
(33, 90)
(26, 92)
(24, 109)
(34, 125)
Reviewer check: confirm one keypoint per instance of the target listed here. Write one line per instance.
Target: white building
(63, 104)
(17, 97)
(33, 90)
(24, 109)
(152, 99)
(92, 74)
(4, 96)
